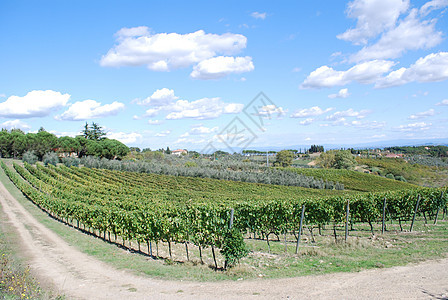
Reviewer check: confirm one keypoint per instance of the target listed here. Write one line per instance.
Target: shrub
(30, 157)
(390, 176)
(70, 161)
(50, 158)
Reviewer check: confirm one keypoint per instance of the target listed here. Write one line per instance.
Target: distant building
(179, 152)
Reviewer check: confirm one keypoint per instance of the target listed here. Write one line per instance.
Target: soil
(79, 276)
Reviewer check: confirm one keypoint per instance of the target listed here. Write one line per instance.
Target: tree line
(15, 143)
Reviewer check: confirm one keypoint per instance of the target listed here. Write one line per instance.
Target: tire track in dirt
(79, 276)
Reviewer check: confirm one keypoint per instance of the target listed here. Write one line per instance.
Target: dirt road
(79, 276)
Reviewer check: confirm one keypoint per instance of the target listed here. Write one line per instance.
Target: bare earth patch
(79, 276)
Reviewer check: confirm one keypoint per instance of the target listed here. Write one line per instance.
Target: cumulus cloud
(443, 102)
(432, 5)
(165, 101)
(341, 115)
(431, 68)
(412, 33)
(202, 130)
(168, 51)
(154, 122)
(221, 66)
(366, 124)
(160, 97)
(90, 109)
(268, 111)
(419, 126)
(258, 15)
(310, 112)
(343, 93)
(125, 138)
(366, 72)
(422, 115)
(163, 133)
(205, 108)
(34, 104)
(373, 17)
(15, 124)
(306, 122)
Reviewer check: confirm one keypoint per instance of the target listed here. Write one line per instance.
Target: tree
(97, 132)
(94, 132)
(326, 159)
(42, 142)
(284, 158)
(4, 142)
(337, 159)
(112, 149)
(316, 148)
(68, 144)
(344, 160)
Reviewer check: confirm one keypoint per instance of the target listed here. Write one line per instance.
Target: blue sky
(183, 74)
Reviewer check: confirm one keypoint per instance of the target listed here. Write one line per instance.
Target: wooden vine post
(346, 219)
(300, 228)
(415, 213)
(383, 226)
(230, 227)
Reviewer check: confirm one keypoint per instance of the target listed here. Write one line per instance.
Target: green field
(356, 181)
(321, 256)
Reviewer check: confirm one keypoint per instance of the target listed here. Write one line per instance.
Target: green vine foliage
(154, 208)
(233, 247)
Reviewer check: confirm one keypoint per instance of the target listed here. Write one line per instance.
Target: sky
(208, 75)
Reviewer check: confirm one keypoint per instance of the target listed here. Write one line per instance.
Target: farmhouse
(179, 152)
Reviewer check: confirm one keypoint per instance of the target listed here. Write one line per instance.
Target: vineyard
(149, 208)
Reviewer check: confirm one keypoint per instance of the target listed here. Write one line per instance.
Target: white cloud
(443, 102)
(343, 93)
(206, 108)
(422, 115)
(164, 100)
(268, 111)
(341, 115)
(366, 124)
(310, 112)
(431, 68)
(152, 112)
(306, 122)
(125, 138)
(221, 66)
(432, 5)
(34, 104)
(366, 72)
(378, 136)
(410, 34)
(258, 15)
(296, 69)
(15, 124)
(373, 17)
(90, 109)
(202, 130)
(154, 122)
(167, 51)
(132, 32)
(163, 133)
(419, 126)
(2, 95)
(160, 97)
